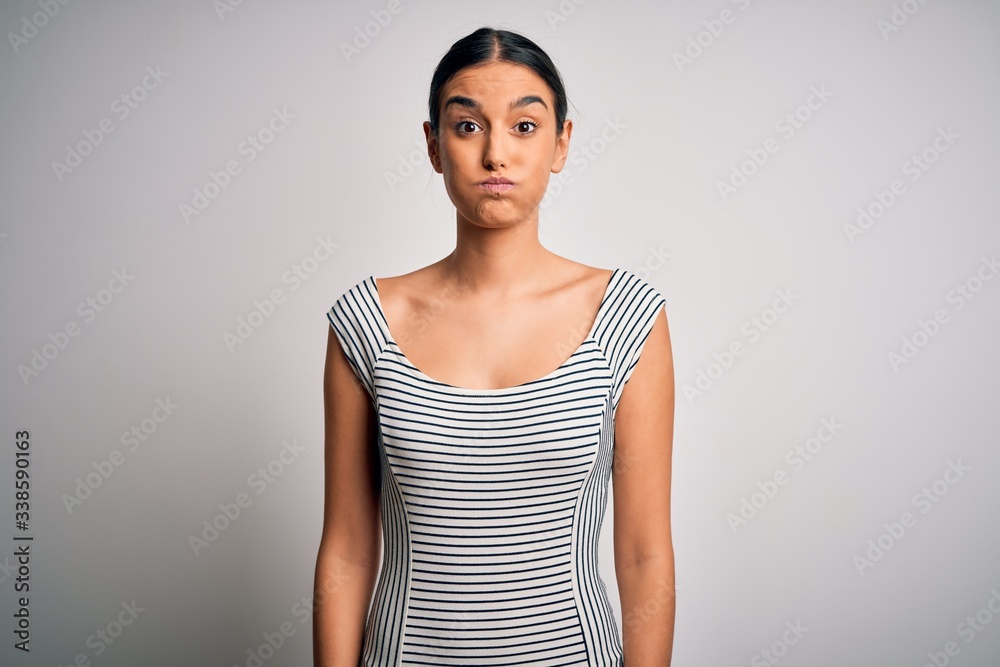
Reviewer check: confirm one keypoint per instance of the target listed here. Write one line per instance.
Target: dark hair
(487, 45)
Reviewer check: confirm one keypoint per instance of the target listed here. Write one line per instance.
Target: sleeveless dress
(492, 499)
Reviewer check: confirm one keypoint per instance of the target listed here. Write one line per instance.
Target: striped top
(492, 499)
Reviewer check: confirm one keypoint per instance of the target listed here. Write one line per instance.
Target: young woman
(476, 409)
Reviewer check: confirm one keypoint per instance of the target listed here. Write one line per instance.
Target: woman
(474, 408)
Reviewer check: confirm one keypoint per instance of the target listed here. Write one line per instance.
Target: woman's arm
(348, 559)
(644, 554)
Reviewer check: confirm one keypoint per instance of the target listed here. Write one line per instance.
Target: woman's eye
(525, 127)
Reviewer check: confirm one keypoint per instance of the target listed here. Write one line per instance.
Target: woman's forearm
(342, 594)
(648, 603)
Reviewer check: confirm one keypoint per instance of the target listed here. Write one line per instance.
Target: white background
(645, 197)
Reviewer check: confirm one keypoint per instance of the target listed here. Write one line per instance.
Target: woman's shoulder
(408, 288)
(357, 289)
(638, 281)
(575, 273)
(356, 303)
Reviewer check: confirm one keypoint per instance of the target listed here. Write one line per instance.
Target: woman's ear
(562, 147)
(432, 147)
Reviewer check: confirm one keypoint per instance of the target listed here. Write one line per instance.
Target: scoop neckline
(384, 325)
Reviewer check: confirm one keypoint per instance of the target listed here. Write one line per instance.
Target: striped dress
(492, 499)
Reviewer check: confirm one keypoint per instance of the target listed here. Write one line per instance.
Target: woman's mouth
(496, 184)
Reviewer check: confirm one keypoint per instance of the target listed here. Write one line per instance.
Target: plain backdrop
(186, 187)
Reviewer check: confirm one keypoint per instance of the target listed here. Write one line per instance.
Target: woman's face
(497, 120)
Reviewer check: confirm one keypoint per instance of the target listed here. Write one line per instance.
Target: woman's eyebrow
(474, 104)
